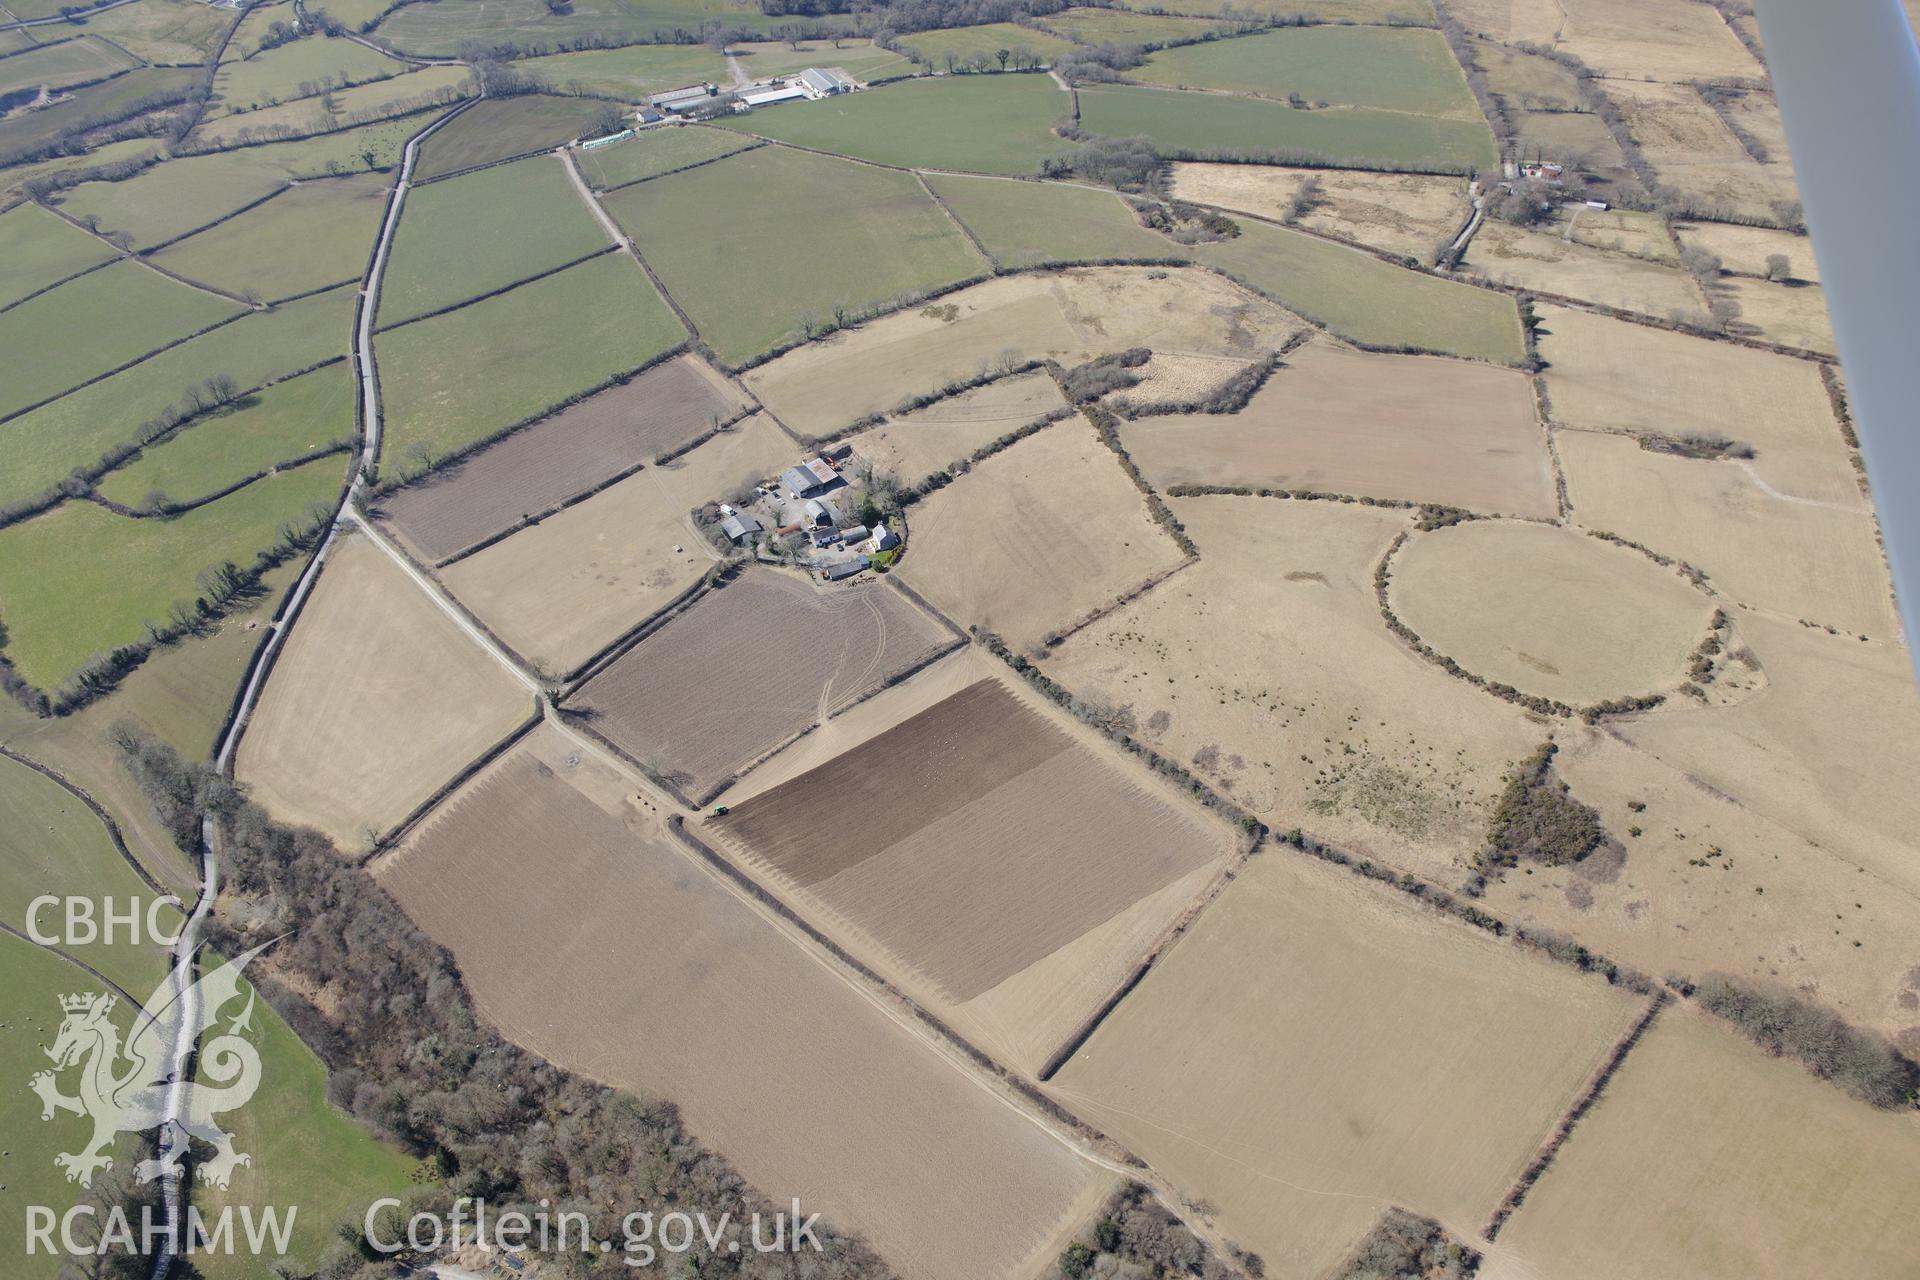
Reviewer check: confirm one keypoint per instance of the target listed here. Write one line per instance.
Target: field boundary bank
(893, 580)
(939, 478)
(1583, 1103)
(668, 173)
(472, 447)
(172, 509)
(914, 404)
(954, 218)
(617, 648)
(464, 303)
(435, 101)
(229, 216)
(239, 144)
(527, 521)
(390, 842)
(133, 1001)
(1641, 318)
(24, 410)
(49, 288)
(408, 559)
(81, 794)
(1120, 601)
(516, 158)
(660, 780)
(653, 278)
(1106, 425)
(1229, 396)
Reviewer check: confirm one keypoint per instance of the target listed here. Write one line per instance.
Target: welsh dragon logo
(141, 1085)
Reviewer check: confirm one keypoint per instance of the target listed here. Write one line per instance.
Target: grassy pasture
(252, 31)
(1119, 26)
(1356, 11)
(466, 236)
(15, 40)
(989, 38)
(359, 14)
(986, 124)
(1392, 68)
(1404, 213)
(424, 700)
(37, 448)
(398, 95)
(37, 249)
(110, 100)
(317, 234)
(1028, 223)
(502, 127)
(180, 31)
(456, 378)
(786, 234)
(1362, 298)
(282, 422)
(862, 59)
(655, 152)
(1204, 126)
(300, 69)
(58, 65)
(630, 73)
(440, 30)
(13, 180)
(51, 843)
(81, 580)
(92, 324)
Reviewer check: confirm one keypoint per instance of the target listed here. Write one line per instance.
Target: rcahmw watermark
(84, 1230)
(643, 1236)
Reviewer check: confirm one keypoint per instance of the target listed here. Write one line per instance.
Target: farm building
(678, 100)
(844, 570)
(824, 82)
(810, 478)
(854, 536)
(884, 539)
(824, 537)
(740, 527)
(1542, 171)
(768, 97)
(821, 513)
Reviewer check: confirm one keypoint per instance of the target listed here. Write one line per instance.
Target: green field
(110, 100)
(1360, 11)
(963, 43)
(164, 30)
(80, 580)
(253, 29)
(282, 422)
(630, 73)
(441, 29)
(785, 234)
(1202, 126)
(982, 124)
(38, 448)
(305, 1153)
(457, 378)
(1118, 26)
(1394, 69)
(1024, 224)
(502, 127)
(357, 14)
(38, 249)
(654, 152)
(467, 236)
(297, 70)
(319, 233)
(14, 40)
(400, 95)
(51, 843)
(58, 65)
(861, 59)
(1360, 297)
(93, 324)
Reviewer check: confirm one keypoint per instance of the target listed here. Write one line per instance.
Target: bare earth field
(650, 974)
(1725, 1162)
(1549, 611)
(1667, 903)
(1547, 261)
(1403, 213)
(675, 701)
(376, 699)
(1534, 21)
(988, 839)
(1420, 428)
(1069, 316)
(1654, 40)
(567, 454)
(1035, 537)
(915, 445)
(1266, 669)
(1610, 375)
(1356, 1050)
(1625, 231)
(1797, 557)
(1692, 149)
(561, 591)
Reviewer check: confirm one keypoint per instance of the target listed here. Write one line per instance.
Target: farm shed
(677, 100)
(844, 570)
(792, 93)
(818, 82)
(822, 513)
(740, 527)
(810, 478)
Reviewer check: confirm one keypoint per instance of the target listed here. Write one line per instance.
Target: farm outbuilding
(768, 97)
(821, 513)
(844, 570)
(810, 478)
(740, 527)
(678, 100)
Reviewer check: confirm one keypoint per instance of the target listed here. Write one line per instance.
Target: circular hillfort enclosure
(1549, 611)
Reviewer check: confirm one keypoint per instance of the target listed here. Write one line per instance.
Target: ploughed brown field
(750, 666)
(568, 454)
(972, 840)
(589, 937)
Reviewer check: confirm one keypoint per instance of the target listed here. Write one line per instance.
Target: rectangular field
(989, 844)
(1410, 427)
(297, 69)
(806, 1086)
(38, 249)
(319, 233)
(1436, 1060)
(1118, 26)
(470, 235)
(628, 74)
(1404, 213)
(569, 586)
(861, 59)
(1547, 260)
(501, 127)
(1206, 126)
(182, 31)
(1653, 40)
(24, 134)
(914, 445)
(963, 43)
(1035, 537)
(398, 95)
(816, 650)
(457, 378)
(377, 699)
(787, 238)
(1395, 69)
(88, 326)
(1727, 1162)
(55, 66)
(654, 152)
(1024, 224)
(569, 453)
